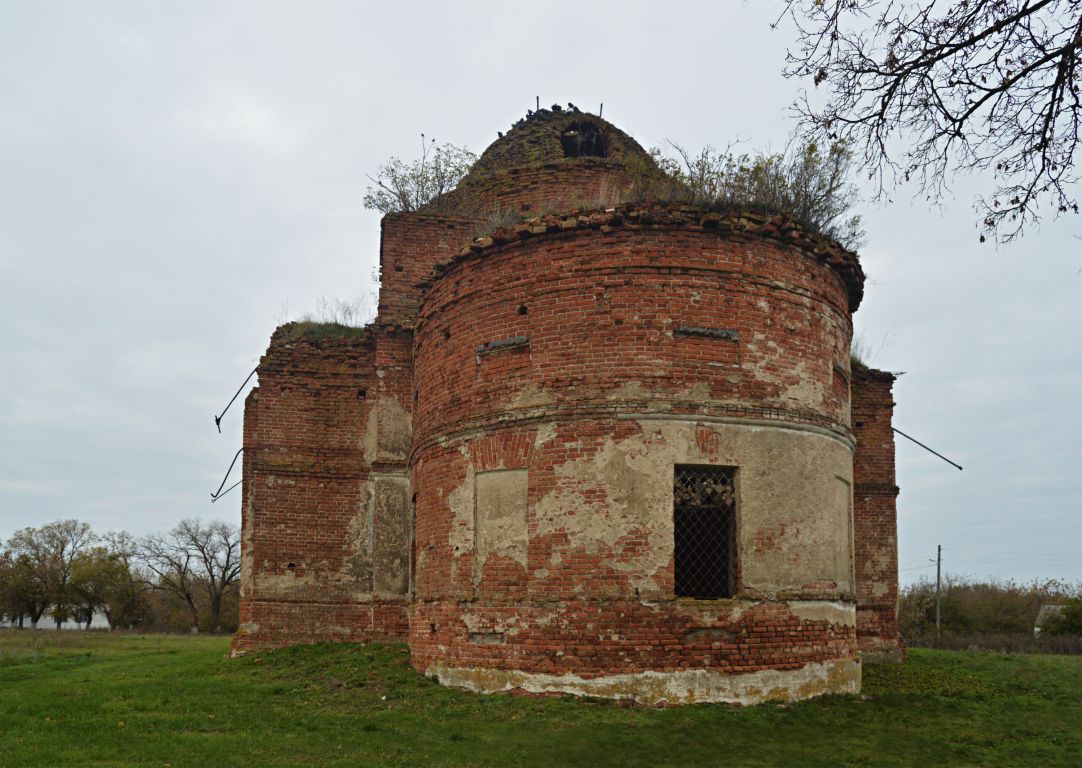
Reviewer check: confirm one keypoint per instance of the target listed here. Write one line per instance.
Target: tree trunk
(216, 610)
(195, 615)
(89, 617)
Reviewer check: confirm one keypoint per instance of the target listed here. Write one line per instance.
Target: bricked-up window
(704, 528)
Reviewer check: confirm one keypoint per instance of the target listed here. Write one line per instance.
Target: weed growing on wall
(407, 186)
(809, 183)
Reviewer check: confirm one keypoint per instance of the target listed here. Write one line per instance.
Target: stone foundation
(687, 686)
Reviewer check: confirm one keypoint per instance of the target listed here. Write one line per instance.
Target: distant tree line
(182, 580)
(997, 615)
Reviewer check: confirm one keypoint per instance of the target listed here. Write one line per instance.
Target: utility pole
(938, 563)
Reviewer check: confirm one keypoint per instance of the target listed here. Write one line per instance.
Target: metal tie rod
(218, 418)
(214, 496)
(227, 490)
(925, 447)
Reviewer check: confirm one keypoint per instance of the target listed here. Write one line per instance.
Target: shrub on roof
(400, 186)
(808, 183)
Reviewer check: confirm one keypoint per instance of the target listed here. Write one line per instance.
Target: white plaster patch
(830, 611)
(460, 502)
(631, 390)
(546, 433)
(388, 431)
(787, 496)
(529, 395)
(809, 391)
(698, 392)
(501, 514)
(691, 686)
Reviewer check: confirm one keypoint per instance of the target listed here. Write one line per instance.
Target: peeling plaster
(787, 485)
(460, 500)
(832, 612)
(391, 534)
(359, 537)
(809, 392)
(690, 686)
(388, 432)
(546, 433)
(531, 395)
(501, 515)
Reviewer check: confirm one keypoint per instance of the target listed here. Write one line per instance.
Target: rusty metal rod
(218, 419)
(925, 447)
(218, 493)
(227, 490)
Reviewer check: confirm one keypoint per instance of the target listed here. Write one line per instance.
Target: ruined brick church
(611, 449)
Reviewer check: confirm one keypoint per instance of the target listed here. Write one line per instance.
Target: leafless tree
(400, 186)
(125, 604)
(171, 564)
(194, 558)
(922, 90)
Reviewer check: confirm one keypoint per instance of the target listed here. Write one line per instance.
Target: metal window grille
(704, 527)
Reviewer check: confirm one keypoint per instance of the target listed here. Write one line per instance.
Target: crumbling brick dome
(600, 448)
(552, 160)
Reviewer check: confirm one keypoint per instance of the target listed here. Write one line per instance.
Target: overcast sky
(176, 179)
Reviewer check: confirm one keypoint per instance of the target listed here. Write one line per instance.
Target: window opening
(704, 531)
(583, 139)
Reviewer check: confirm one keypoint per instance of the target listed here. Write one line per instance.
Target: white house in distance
(46, 622)
(1043, 616)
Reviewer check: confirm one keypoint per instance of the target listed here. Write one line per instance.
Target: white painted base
(692, 686)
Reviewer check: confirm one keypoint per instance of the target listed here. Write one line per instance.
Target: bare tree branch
(194, 558)
(403, 186)
(923, 90)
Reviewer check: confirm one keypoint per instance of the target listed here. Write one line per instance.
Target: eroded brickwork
(544, 188)
(590, 362)
(488, 469)
(314, 567)
(410, 246)
(875, 514)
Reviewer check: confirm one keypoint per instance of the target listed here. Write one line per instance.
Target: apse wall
(562, 376)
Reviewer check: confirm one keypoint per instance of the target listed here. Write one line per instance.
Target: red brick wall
(575, 610)
(592, 638)
(307, 575)
(532, 190)
(875, 511)
(601, 309)
(411, 244)
(539, 346)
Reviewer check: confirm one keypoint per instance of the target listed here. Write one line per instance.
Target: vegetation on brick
(400, 186)
(312, 330)
(507, 507)
(809, 184)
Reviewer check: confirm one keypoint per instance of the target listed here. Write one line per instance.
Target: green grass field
(76, 698)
